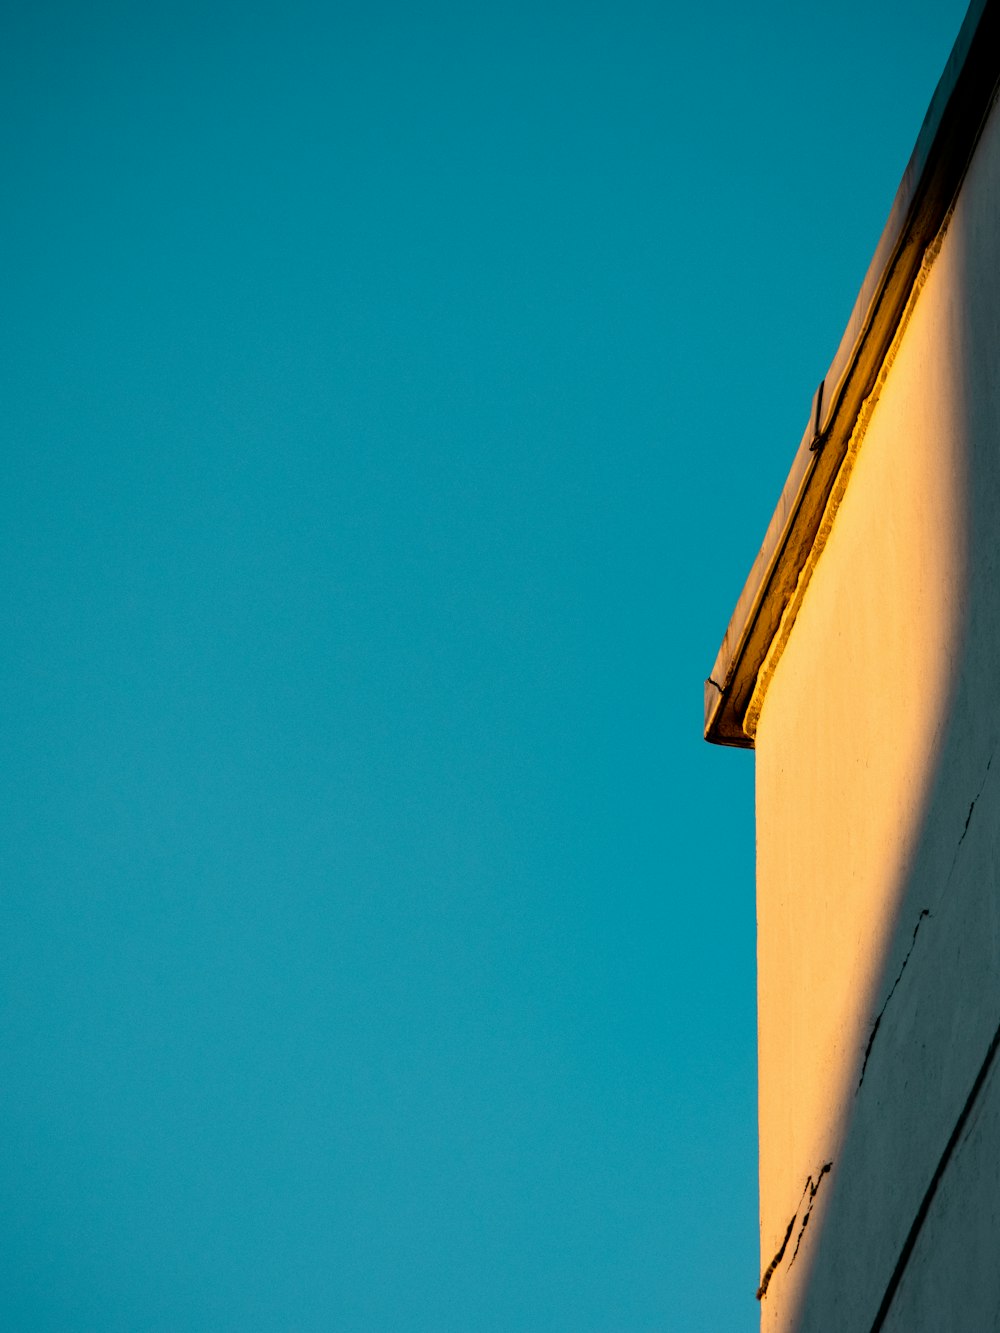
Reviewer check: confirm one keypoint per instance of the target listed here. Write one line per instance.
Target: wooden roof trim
(934, 174)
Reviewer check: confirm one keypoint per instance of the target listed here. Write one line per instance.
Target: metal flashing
(933, 176)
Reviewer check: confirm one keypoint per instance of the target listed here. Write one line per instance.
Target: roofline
(933, 176)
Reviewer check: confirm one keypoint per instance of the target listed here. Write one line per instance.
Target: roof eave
(944, 148)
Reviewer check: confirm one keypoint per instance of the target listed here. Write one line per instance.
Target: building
(862, 663)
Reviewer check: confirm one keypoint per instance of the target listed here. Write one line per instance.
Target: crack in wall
(923, 1210)
(878, 1017)
(968, 820)
(811, 1188)
(968, 817)
(765, 1280)
(925, 1203)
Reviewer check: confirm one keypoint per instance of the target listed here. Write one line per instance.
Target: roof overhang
(933, 176)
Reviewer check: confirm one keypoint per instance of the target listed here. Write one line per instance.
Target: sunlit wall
(878, 910)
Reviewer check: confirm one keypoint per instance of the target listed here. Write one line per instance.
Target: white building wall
(878, 816)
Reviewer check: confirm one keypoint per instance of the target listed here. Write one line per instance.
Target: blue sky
(395, 397)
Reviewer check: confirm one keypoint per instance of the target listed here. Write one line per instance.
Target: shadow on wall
(908, 1235)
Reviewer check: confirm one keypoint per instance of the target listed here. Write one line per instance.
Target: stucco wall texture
(878, 817)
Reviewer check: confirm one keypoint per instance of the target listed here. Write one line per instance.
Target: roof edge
(951, 129)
